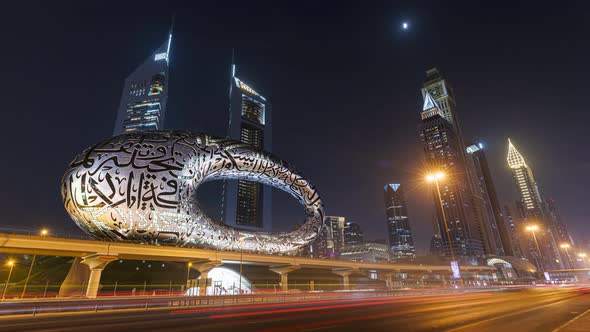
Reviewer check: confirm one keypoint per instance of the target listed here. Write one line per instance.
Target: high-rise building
(401, 243)
(246, 204)
(534, 212)
(498, 232)
(553, 211)
(440, 133)
(353, 234)
(331, 240)
(436, 244)
(514, 232)
(525, 183)
(145, 93)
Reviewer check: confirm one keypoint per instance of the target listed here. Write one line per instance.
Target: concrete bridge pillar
(283, 271)
(96, 263)
(204, 267)
(345, 274)
(388, 276)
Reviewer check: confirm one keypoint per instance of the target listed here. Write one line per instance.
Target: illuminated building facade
(145, 93)
(331, 239)
(353, 234)
(496, 228)
(401, 243)
(514, 232)
(246, 204)
(553, 211)
(442, 140)
(368, 252)
(533, 211)
(525, 183)
(141, 187)
(563, 237)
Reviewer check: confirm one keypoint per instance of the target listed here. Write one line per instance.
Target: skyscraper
(562, 237)
(145, 93)
(498, 231)
(246, 204)
(401, 243)
(514, 232)
(353, 234)
(440, 133)
(534, 212)
(525, 183)
(553, 211)
(331, 241)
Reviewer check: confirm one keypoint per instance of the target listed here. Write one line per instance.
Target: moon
(405, 25)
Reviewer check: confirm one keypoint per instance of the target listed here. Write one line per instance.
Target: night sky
(344, 81)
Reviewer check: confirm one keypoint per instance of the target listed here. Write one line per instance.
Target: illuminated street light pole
(532, 229)
(11, 264)
(188, 271)
(566, 246)
(241, 260)
(43, 232)
(435, 178)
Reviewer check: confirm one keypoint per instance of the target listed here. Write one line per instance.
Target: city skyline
(366, 188)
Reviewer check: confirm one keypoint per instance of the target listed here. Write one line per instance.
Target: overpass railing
(180, 303)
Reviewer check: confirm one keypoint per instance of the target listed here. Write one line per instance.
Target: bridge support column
(204, 267)
(96, 263)
(345, 274)
(283, 271)
(388, 276)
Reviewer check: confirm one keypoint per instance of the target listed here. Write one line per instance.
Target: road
(541, 309)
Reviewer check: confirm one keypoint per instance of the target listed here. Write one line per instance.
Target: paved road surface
(554, 309)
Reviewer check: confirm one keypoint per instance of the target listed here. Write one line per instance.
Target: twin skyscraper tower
(246, 205)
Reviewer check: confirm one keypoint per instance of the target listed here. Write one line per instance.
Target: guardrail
(35, 307)
(73, 236)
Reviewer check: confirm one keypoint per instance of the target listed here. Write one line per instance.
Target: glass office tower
(143, 102)
(246, 204)
(401, 243)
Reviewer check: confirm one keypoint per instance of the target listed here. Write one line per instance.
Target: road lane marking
(571, 321)
(508, 315)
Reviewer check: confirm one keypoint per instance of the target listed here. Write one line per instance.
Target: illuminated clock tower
(442, 93)
(457, 217)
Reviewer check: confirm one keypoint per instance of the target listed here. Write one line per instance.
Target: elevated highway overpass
(97, 254)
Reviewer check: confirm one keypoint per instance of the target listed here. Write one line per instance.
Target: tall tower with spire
(444, 150)
(145, 93)
(534, 212)
(525, 183)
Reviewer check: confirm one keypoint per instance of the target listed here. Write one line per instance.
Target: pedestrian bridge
(97, 254)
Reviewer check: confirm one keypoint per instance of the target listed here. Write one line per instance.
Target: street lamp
(241, 240)
(566, 246)
(532, 229)
(188, 271)
(11, 264)
(435, 177)
(43, 232)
